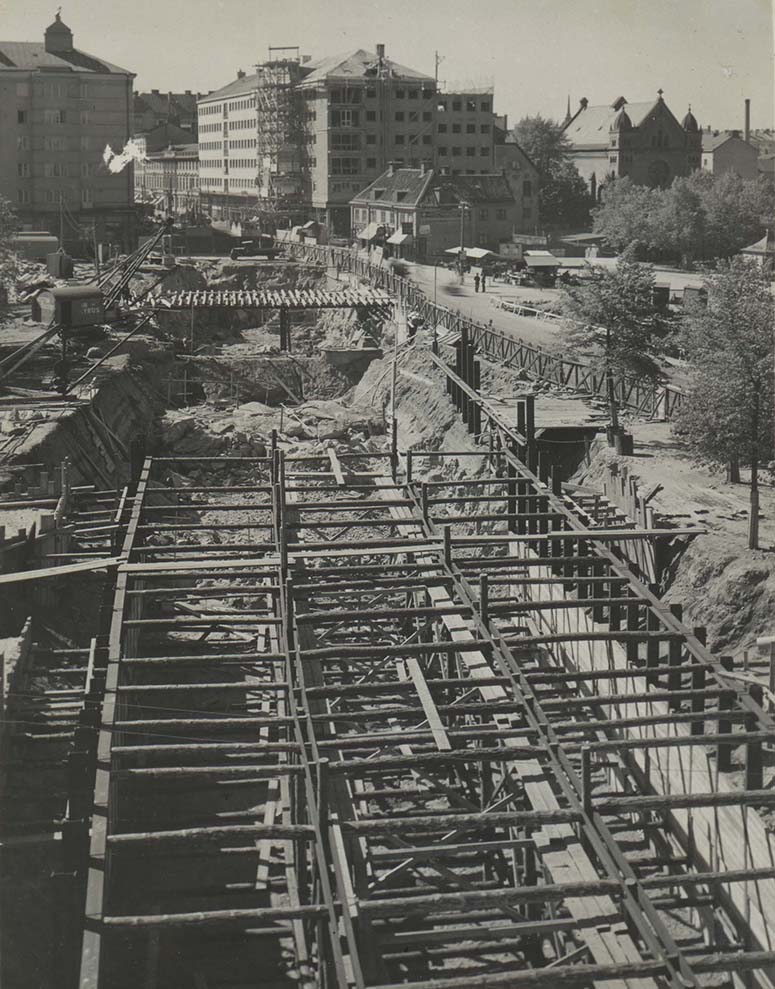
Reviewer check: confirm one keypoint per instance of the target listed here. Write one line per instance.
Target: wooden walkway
(283, 299)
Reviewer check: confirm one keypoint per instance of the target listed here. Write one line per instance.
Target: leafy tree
(8, 261)
(727, 414)
(543, 141)
(564, 197)
(614, 313)
(699, 217)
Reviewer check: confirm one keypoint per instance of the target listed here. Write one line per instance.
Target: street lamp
(462, 206)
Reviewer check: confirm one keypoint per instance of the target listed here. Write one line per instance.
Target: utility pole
(61, 224)
(462, 206)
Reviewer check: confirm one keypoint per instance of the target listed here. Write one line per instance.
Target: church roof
(591, 126)
(689, 122)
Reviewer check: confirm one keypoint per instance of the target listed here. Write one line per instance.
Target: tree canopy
(700, 217)
(727, 413)
(564, 197)
(614, 314)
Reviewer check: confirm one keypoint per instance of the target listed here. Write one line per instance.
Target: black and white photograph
(387, 494)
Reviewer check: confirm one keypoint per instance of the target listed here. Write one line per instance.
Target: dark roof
(165, 134)
(173, 104)
(358, 64)
(409, 182)
(414, 186)
(178, 151)
(33, 55)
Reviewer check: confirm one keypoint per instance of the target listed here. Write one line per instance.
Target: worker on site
(476, 283)
(484, 281)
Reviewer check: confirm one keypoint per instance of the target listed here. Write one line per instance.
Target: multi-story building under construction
(298, 139)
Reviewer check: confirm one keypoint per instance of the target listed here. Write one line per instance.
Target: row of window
(56, 170)
(413, 116)
(244, 163)
(353, 95)
(485, 106)
(444, 152)
(247, 104)
(55, 117)
(53, 196)
(470, 128)
(25, 143)
(209, 109)
(53, 90)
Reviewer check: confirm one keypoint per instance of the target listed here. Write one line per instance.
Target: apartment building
(169, 180)
(465, 128)
(59, 108)
(155, 109)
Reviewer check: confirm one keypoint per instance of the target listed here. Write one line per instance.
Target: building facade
(465, 132)
(522, 177)
(728, 152)
(169, 180)
(644, 141)
(59, 108)
(419, 213)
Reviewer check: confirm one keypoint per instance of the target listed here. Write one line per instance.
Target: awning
(477, 253)
(398, 238)
(369, 232)
(542, 261)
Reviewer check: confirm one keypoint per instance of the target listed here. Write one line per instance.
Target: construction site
(340, 650)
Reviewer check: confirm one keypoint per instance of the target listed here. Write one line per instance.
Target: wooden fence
(641, 395)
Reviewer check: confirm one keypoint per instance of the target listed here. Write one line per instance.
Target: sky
(707, 53)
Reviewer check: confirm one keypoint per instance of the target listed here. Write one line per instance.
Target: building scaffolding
(280, 146)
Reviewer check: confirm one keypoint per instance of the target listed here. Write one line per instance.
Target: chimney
(747, 131)
(240, 74)
(188, 92)
(583, 102)
(423, 166)
(380, 51)
(155, 92)
(391, 167)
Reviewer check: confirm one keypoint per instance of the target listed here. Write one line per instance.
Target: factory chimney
(747, 130)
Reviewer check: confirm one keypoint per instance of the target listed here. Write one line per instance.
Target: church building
(641, 140)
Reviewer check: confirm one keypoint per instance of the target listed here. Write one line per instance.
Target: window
(86, 199)
(414, 94)
(399, 115)
(24, 195)
(527, 188)
(400, 94)
(426, 115)
(485, 107)
(471, 106)
(83, 90)
(456, 152)
(344, 166)
(23, 170)
(85, 143)
(371, 138)
(484, 152)
(442, 152)
(53, 197)
(484, 129)
(53, 116)
(344, 118)
(442, 128)
(371, 92)
(413, 116)
(456, 128)
(23, 143)
(379, 193)
(470, 152)
(371, 115)
(500, 214)
(400, 196)
(399, 139)
(345, 142)
(21, 116)
(470, 128)
(456, 106)
(441, 106)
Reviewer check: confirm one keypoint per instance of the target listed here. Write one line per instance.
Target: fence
(642, 396)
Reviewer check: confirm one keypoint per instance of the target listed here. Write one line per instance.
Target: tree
(727, 413)
(700, 217)
(615, 313)
(8, 260)
(564, 197)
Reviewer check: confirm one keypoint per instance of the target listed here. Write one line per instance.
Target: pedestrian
(484, 281)
(476, 283)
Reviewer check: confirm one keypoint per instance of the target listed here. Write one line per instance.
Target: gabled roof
(33, 55)
(358, 64)
(591, 126)
(240, 87)
(410, 187)
(166, 103)
(406, 186)
(711, 140)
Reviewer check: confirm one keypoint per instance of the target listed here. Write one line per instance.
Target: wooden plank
(431, 713)
(103, 563)
(336, 467)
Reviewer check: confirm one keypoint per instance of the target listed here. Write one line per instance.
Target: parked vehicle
(262, 247)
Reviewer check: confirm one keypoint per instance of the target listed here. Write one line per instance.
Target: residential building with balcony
(59, 108)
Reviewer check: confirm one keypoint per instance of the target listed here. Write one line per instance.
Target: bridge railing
(641, 395)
